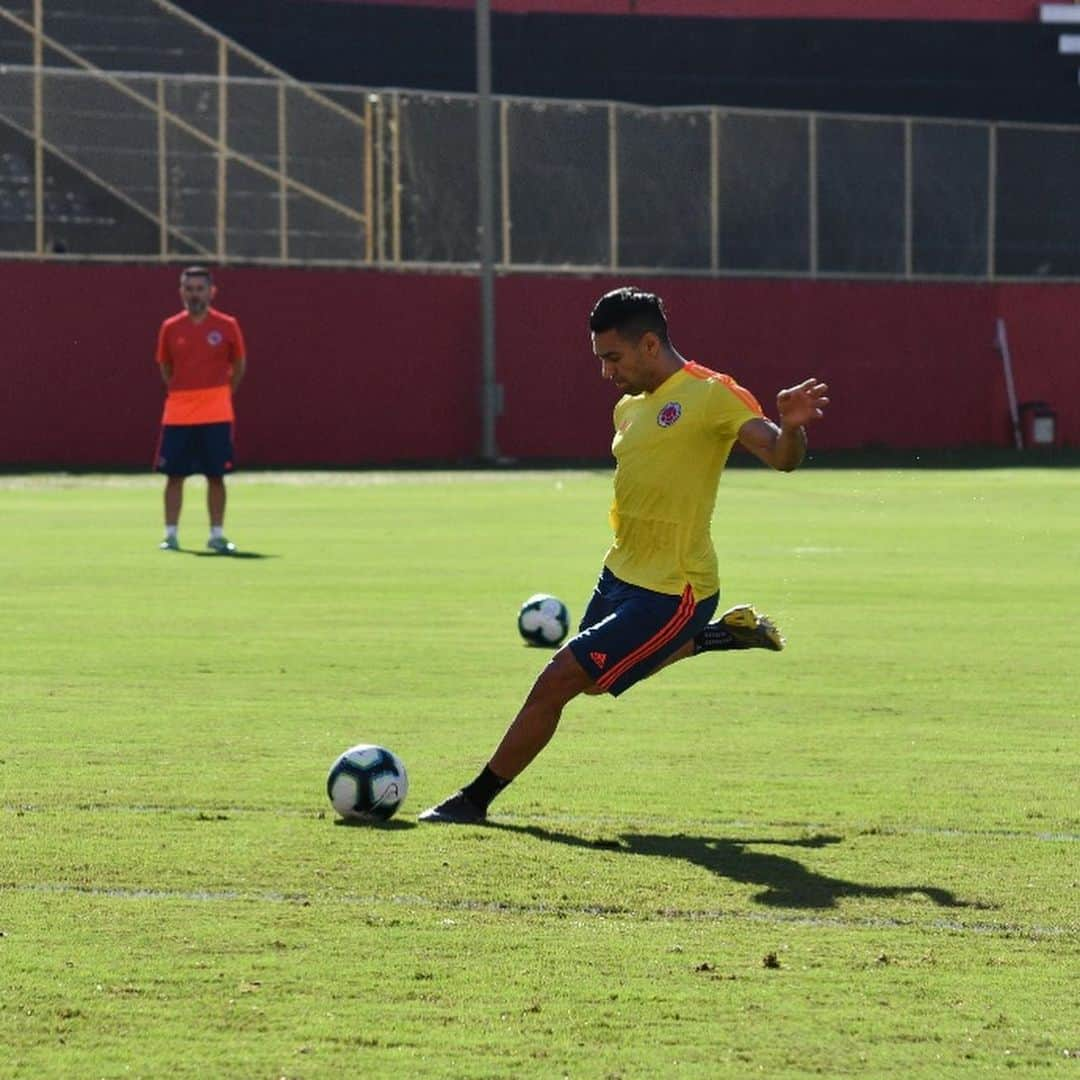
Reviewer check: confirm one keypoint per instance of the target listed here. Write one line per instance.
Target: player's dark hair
(196, 271)
(633, 312)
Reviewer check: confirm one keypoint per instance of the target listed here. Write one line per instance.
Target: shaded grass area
(857, 858)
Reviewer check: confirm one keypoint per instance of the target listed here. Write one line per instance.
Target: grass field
(858, 858)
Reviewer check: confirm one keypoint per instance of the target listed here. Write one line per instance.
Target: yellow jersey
(670, 448)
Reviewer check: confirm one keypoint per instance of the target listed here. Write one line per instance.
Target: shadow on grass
(784, 881)
(393, 824)
(234, 555)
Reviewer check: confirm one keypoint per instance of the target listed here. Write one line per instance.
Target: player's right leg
(174, 500)
(174, 459)
(740, 627)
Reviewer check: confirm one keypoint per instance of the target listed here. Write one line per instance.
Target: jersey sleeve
(732, 405)
(239, 348)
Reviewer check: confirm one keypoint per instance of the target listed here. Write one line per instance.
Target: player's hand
(798, 405)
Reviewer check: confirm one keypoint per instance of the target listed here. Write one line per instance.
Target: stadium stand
(977, 60)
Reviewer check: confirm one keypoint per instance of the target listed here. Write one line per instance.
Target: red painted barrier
(364, 367)
(941, 10)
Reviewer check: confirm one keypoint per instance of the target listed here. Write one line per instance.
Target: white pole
(1006, 361)
(486, 176)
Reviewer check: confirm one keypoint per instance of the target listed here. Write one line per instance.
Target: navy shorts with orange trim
(185, 449)
(627, 631)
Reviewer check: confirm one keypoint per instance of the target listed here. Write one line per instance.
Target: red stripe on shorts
(683, 614)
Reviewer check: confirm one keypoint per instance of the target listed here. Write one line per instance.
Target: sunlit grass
(857, 858)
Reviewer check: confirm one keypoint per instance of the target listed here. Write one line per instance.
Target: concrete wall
(351, 368)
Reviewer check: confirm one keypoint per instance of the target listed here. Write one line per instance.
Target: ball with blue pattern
(367, 783)
(543, 620)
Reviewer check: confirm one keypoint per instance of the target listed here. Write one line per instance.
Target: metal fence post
(395, 177)
(909, 199)
(714, 190)
(812, 188)
(991, 204)
(222, 143)
(369, 195)
(504, 178)
(613, 186)
(162, 173)
(39, 132)
(485, 167)
(283, 166)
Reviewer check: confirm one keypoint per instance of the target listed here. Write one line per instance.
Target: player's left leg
(529, 732)
(217, 454)
(174, 501)
(215, 505)
(215, 500)
(173, 457)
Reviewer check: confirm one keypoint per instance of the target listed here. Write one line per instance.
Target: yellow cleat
(749, 630)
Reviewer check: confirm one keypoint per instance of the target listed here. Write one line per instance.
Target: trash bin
(1038, 422)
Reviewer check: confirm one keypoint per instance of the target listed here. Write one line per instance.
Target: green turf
(858, 858)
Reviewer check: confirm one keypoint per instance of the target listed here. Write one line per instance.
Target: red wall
(976, 10)
(363, 367)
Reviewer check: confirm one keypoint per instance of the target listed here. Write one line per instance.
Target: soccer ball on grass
(543, 620)
(367, 783)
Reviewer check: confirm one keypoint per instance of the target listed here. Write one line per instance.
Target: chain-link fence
(227, 167)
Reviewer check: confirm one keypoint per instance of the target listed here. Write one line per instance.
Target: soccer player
(674, 428)
(202, 359)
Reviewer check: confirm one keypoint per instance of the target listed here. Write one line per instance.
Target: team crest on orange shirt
(669, 414)
(214, 337)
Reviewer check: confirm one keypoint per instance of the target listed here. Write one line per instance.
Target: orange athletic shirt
(202, 356)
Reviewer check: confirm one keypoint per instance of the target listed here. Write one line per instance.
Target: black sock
(715, 636)
(484, 788)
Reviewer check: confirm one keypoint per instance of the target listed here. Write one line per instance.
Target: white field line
(846, 830)
(560, 911)
(296, 478)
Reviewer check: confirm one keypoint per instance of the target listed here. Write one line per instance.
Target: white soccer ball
(367, 783)
(543, 620)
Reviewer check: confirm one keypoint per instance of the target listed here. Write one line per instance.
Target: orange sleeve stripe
(699, 371)
(683, 614)
(742, 394)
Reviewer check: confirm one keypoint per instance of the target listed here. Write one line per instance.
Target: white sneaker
(221, 545)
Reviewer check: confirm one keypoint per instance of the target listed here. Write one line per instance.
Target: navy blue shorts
(184, 449)
(627, 632)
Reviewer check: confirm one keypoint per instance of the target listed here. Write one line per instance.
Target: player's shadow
(234, 555)
(784, 882)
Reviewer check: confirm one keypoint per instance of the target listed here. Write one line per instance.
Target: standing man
(674, 428)
(202, 359)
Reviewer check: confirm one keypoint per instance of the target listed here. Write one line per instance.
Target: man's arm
(238, 369)
(166, 371)
(783, 447)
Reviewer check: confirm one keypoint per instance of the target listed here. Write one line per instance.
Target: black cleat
(457, 810)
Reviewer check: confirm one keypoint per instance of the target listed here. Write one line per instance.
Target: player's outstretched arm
(783, 446)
